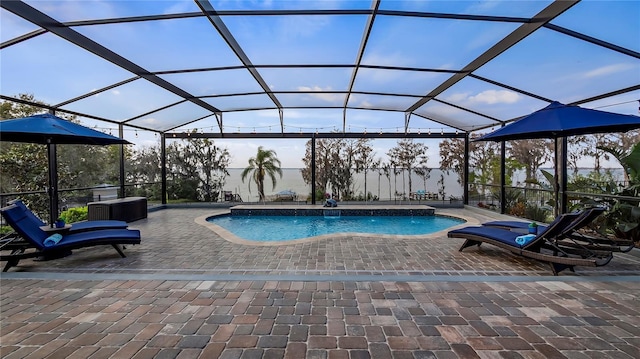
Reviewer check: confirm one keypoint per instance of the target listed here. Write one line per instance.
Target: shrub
(5, 230)
(518, 210)
(538, 214)
(75, 214)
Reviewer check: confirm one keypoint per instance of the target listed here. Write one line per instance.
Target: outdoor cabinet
(126, 209)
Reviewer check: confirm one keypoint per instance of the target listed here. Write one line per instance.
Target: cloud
(115, 92)
(302, 27)
(458, 97)
(178, 7)
(357, 100)
(492, 97)
(150, 121)
(607, 70)
(328, 97)
(396, 59)
(488, 97)
(72, 10)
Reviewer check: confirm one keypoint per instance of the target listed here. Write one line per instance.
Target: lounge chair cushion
(96, 237)
(497, 234)
(95, 225)
(513, 224)
(75, 227)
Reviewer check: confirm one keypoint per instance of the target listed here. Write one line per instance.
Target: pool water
(284, 228)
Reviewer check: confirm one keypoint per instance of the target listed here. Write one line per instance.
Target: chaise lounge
(544, 247)
(13, 241)
(572, 236)
(75, 227)
(41, 243)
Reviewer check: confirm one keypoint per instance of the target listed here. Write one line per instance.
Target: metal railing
(539, 203)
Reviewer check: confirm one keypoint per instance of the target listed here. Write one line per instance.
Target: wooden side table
(52, 230)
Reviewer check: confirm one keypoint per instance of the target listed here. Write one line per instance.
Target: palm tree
(264, 163)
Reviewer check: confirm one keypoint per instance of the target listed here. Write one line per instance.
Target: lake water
(292, 180)
(378, 186)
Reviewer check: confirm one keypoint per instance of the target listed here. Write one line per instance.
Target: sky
(547, 63)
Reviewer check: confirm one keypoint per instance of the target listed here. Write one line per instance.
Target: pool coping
(231, 237)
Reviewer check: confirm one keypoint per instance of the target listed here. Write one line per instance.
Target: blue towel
(522, 240)
(52, 240)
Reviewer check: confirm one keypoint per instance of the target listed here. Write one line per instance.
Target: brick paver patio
(185, 292)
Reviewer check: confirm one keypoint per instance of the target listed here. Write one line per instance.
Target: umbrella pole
(53, 183)
(563, 175)
(560, 185)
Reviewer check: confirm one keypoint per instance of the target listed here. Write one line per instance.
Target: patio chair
(572, 235)
(12, 241)
(544, 246)
(40, 243)
(76, 227)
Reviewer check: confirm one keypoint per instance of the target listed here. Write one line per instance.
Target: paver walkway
(187, 293)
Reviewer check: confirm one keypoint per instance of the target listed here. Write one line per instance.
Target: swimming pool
(288, 228)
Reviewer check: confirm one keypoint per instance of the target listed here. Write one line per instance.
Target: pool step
(331, 213)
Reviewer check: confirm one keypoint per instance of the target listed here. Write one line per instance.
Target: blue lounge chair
(42, 243)
(75, 227)
(545, 246)
(572, 236)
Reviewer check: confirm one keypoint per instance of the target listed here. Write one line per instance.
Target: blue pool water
(284, 228)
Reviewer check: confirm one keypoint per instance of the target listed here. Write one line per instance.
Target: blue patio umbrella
(47, 128)
(559, 121)
(51, 130)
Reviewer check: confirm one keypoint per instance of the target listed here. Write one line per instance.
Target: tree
(265, 163)
(385, 168)
(10, 109)
(597, 146)
(626, 140)
(198, 169)
(409, 155)
(485, 159)
(24, 169)
(22, 165)
(624, 214)
(343, 157)
(576, 151)
(425, 173)
(592, 146)
(531, 153)
(213, 172)
(323, 164)
(378, 167)
(452, 156)
(364, 160)
(88, 165)
(144, 168)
